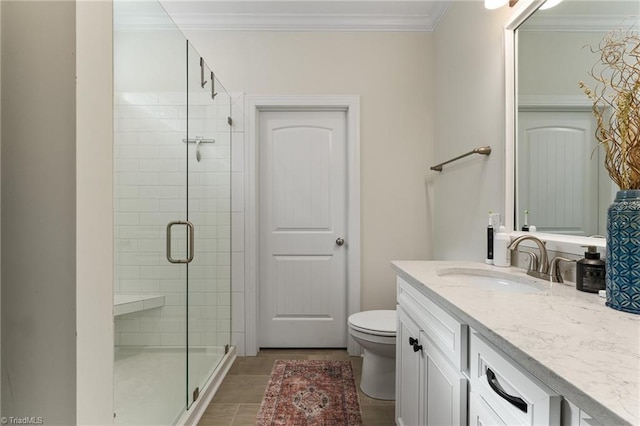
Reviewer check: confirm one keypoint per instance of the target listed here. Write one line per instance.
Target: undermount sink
(493, 280)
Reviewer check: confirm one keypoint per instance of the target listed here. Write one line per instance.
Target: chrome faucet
(542, 270)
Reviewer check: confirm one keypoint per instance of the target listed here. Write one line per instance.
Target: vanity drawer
(480, 414)
(513, 394)
(447, 333)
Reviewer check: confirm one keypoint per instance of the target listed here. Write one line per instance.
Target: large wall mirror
(559, 175)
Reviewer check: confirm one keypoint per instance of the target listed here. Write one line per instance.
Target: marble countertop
(582, 349)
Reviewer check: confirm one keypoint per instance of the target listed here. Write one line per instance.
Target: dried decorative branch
(616, 105)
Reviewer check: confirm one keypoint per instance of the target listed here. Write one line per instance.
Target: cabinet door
(407, 371)
(444, 387)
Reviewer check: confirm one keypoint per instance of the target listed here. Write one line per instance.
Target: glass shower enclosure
(172, 161)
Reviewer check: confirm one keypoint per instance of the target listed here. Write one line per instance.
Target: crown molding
(579, 23)
(307, 15)
(305, 22)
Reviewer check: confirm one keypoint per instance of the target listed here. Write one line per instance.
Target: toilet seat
(379, 323)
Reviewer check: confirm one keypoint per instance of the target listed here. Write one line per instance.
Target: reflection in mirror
(560, 175)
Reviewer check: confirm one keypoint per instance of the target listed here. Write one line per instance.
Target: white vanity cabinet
(431, 388)
(538, 347)
(442, 363)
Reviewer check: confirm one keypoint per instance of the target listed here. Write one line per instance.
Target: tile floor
(238, 399)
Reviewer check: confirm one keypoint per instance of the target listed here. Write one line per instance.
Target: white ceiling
(307, 15)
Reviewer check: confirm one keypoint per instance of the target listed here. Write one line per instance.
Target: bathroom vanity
(488, 345)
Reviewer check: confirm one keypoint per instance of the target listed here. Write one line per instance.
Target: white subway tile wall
(150, 191)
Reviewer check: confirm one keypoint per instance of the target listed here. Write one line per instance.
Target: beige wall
(393, 74)
(38, 211)
(470, 113)
(57, 212)
(94, 213)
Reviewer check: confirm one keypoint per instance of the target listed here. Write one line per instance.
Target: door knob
(340, 241)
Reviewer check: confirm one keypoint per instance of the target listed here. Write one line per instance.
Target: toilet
(375, 332)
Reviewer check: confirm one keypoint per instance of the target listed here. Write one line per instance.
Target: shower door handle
(203, 82)
(191, 241)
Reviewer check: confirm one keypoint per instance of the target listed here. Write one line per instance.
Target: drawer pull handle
(514, 400)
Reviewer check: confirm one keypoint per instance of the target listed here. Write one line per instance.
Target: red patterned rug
(310, 393)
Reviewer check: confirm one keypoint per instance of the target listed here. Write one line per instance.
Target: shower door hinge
(229, 121)
(226, 349)
(196, 394)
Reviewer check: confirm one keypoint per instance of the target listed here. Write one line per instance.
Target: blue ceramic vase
(623, 252)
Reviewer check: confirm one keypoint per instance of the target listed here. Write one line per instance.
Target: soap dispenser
(590, 271)
(501, 252)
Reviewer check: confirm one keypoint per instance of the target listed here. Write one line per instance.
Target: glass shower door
(150, 175)
(172, 162)
(209, 206)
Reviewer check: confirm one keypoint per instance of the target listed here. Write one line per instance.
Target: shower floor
(150, 383)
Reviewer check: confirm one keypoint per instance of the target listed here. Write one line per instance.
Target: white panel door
(557, 176)
(302, 288)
